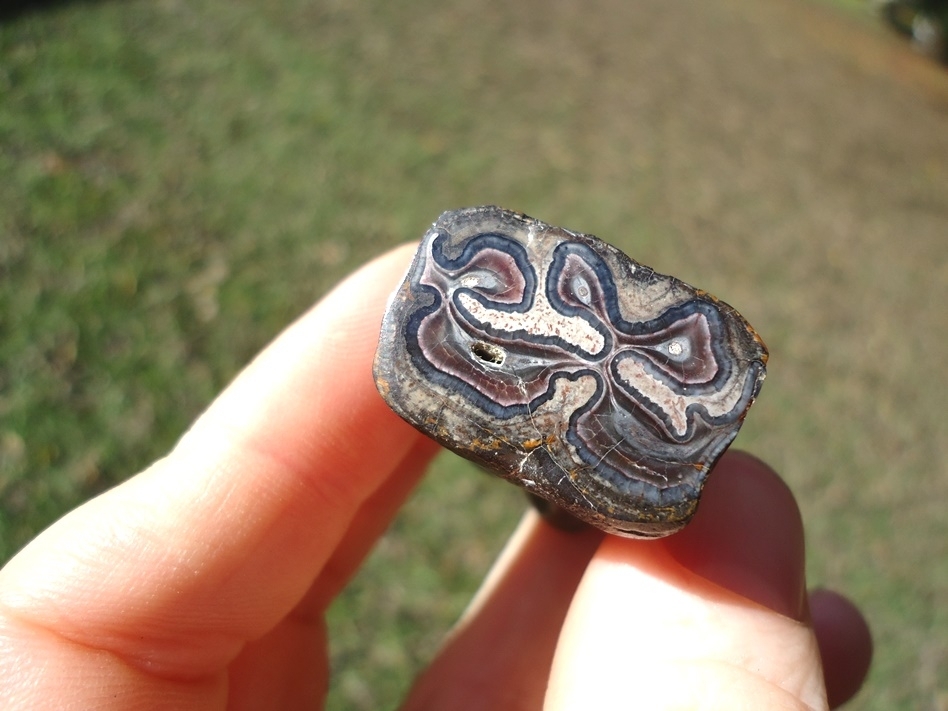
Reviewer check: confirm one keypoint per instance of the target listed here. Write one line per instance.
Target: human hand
(202, 582)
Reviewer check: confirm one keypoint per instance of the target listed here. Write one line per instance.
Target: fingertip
(845, 643)
(747, 536)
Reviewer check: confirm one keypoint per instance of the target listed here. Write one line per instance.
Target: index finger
(213, 544)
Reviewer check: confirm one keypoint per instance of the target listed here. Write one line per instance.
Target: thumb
(714, 617)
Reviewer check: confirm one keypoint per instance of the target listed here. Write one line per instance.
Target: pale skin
(202, 582)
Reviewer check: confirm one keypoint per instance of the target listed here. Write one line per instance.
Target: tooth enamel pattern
(557, 362)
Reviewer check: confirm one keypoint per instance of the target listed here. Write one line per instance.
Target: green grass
(179, 180)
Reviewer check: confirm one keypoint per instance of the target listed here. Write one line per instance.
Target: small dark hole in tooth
(488, 353)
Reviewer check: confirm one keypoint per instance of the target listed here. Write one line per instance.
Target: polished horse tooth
(557, 362)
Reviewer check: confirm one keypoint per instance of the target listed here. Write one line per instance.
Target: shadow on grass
(13, 9)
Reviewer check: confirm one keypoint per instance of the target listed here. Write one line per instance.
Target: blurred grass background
(178, 180)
